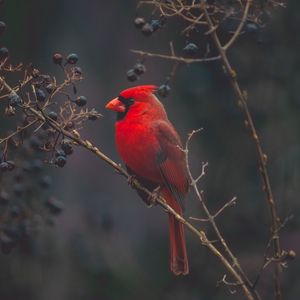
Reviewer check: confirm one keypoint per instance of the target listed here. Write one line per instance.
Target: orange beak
(116, 105)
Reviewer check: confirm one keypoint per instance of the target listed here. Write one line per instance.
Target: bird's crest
(138, 92)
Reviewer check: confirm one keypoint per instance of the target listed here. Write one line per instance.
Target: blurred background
(107, 244)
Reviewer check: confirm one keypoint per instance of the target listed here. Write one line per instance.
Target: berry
(81, 101)
(4, 198)
(60, 161)
(52, 115)
(3, 53)
(291, 254)
(57, 58)
(54, 205)
(40, 95)
(18, 189)
(251, 27)
(191, 49)
(147, 29)
(164, 90)
(11, 165)
(45, 181)
(77, 71)
(46, 79)
(72, 59)
(155, 24)
(35, 73)
(2, 27)
(139, 22)
(60, 152)
(139, 69)
(4, 166)
(19, 177)
(7, 243)
(14, 99)
(37, 165)
(66, 146)
(27, 167)
(131, 75)
(35, 143)
(107, 222)
(162, 20)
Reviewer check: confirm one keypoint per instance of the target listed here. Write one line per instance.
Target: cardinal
(151, 149)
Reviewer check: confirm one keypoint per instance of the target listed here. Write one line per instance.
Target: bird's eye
(126, 101)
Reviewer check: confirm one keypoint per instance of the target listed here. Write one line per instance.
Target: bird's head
(133, 99)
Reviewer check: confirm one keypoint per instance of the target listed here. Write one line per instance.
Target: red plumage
(151, 149)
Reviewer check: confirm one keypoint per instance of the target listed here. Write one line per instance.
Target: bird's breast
(138, 147)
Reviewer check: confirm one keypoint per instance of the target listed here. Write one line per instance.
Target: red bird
(151, 149)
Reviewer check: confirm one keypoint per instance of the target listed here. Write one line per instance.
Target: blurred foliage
(106, 245)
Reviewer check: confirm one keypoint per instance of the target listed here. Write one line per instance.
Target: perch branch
(74, 136)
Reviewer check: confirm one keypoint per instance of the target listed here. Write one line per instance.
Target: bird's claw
(131, 179)
(152, 199)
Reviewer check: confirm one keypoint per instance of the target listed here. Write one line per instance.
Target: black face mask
(127, 103)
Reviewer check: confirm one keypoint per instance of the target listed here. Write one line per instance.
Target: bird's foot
(152, 199)
(131, 179)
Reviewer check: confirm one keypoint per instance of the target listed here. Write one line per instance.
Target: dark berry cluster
(164, 90)
(148, 28)
(43, 110)
(191, 49)
(70, 59)
(24, 187)
(225, 15)
(138, 69)
(3, 50)
(66, 148)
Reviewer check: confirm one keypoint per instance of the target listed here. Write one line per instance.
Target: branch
(19, 130)
(227, 204)
(242, 99)
(211, 218)
(176, 58)
(240, 27)
(75, 137)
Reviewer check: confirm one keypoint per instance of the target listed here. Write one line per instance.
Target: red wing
(171, 160)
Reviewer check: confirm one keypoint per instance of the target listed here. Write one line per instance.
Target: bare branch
(176, 58)
(75, 137)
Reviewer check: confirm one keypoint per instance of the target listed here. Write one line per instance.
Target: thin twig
(18, 130)
(176, 58)
(261, 154)
(240, 27)
(211, 218)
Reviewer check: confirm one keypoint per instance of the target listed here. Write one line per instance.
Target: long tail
(179, 264)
